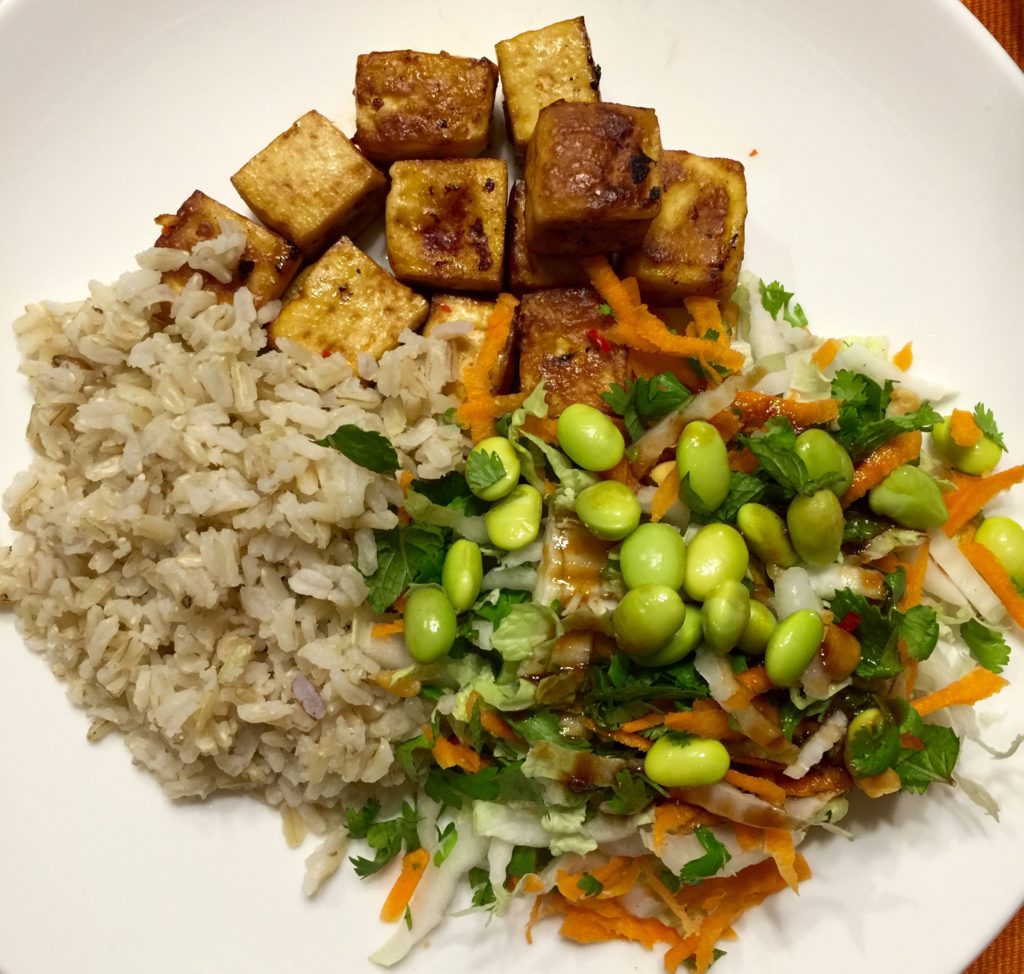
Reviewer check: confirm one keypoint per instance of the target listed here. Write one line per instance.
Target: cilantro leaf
(860, 529)
(715, 857)
(386, 839)
(450, 491)
(896, 584)
(642, 401)
(863, 423)
(506, 784)
(483, 470)
(874, 749)
(631, 794)
(935, 761)
(545, 725)
(775, 449)
(605, 309)
(775, 298)
(410, 553)
(589, 885)
(445, 842)
(496, 611)
(986, 645)
(359, 820)
(919, 630)
(987, 424)
(483, 891)
(878, 635)
(404, 754)
(366, 447)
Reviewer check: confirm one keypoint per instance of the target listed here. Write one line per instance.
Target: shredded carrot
(494, 724)
(413, 866)
(451, 754)
(531, 883)
(543, 428)
(381, 629)
(728, 424)
(778, 843)
(617, 876)
(916, 567)
(973, 493)
(761, 787)
(963, 428)
(824, 355)
(704, 723)
(976, 685)
(589, 925)
(990, 569)
(904, 358)
(628, 740)
(666, 495)
(646, 365)
(623, 473)
(881, 462)
(403, 686)
(672, 817)
(706, 316)
(747, 837)
(479, 410)
(816, 781)
(405, 479)
(643, 723)
(757, 408)
(887, 563)
(754, 680)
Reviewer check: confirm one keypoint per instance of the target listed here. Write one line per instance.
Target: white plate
(886, 190)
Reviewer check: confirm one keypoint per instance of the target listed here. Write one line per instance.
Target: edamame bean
(702, 457)
(979, 459)
(647, 618)
(590, 438)
(716, 553)
(911, 498)
(816, 526)
(758, 629)
(430, 624)
(867, 720)
(654, 554)
(766, 535)
(515, 521)
(687, 762)
(506, 453)
(687, 638)
(822, 454)
(726, 614)
(462, 573)
(792, 646)
(1004, 537)
(609, 510)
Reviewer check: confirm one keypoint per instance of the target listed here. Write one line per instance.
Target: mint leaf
(407, 554)
(715, 857)
(589, 885)
(775, 449)
(987, 424)
(744, 488)
(918, 769)
(366, 447)
(642, 401)
(483, 470)
(986, 645)
(919, 630)
(775, 298)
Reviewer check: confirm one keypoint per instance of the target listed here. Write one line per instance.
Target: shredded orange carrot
(405, 479)
(824, 355)
(704, 723)
(665, 496)
(413, 866)
(757, 408)
(623, 473)
(451, 754)
(881, 462)
(629, 740)
(727, 423)
(671, 817)
(381, 629)
(973, 493)
(643, 723)
(778, 843)
(754, 680)
(531, 883)
(494, 724)
(976, 685)
(747, 837)
(916, 566)
(479, 410)
(544, 429)
(990, 569)
(963, 428)
(617, 876)
(403, 686)
(609, 920)
(816, 781)
(887, 563)
(646, 365)
(904, 358)
(761, 787)
(706, 316)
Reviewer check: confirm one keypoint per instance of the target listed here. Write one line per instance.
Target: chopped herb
(744, 488)
(410, 553)
(896, 584)
(589, 885)
(386, 839)
(631, 794)
(878, 634)
(715, 857)
(919, 630)
(642, 401)
(775, 298)
(445, 842)
(495, 783)
(986, 645)
(448, 416)
(775, 449)
(483, 470)
(863, 423)
(874, 749)
(359, 820)
(496, 611)
(987, 424)
(404, 754)
(483, 891)
(544, 725)
(366, 447)
(606, 309)
(408, 918)
(859, 529)
(918, 768)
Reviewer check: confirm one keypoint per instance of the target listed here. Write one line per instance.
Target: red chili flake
(849, 622)
(446, 308)
(600, 342)
(326, 353)
(753, 152)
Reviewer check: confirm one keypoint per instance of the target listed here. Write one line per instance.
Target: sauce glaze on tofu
(528, 270)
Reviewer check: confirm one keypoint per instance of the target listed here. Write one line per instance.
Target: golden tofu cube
(592, 184)
(694, 247)
(411, 105)
(266, 266)
(445, 308)
(544, 66)
(445, 222)
(560, 346)
(311, 184)
(528, 270)
(348, 303)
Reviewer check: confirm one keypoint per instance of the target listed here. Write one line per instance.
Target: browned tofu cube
(557, 348)
(348, 303)
(592, 183)
(266, 266)
(528, 270)
(311, 184)
(445, 222)
(413, 106)
(445, 308)
(544, 66)
(695, 244)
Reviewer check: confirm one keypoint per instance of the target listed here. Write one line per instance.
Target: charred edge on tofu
(640, 168)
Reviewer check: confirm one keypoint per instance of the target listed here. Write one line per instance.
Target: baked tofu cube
(413, 106)
(695, 244)
(592, 184)
(348, 303)
(544, 66)
(528, 270)
(445, 308)
(311, 184)
(557, 348)
(445, 221)
(266, 266)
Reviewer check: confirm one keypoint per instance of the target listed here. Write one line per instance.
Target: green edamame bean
(792, 646)
(675, 762)
(647, 618)
(758, 629)
(766, 535)
(726, 614)
(506, 453)
(654, 554)
(716, 553)
(609, 509)
(867, 720)
(687, 638)
(590, 438)
(911, 498)
(1004, 537)
(702, 457)
(979, 459)
(515, 521)
(822, 454)
(430, 624)
(816, 526)
(462, 573)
